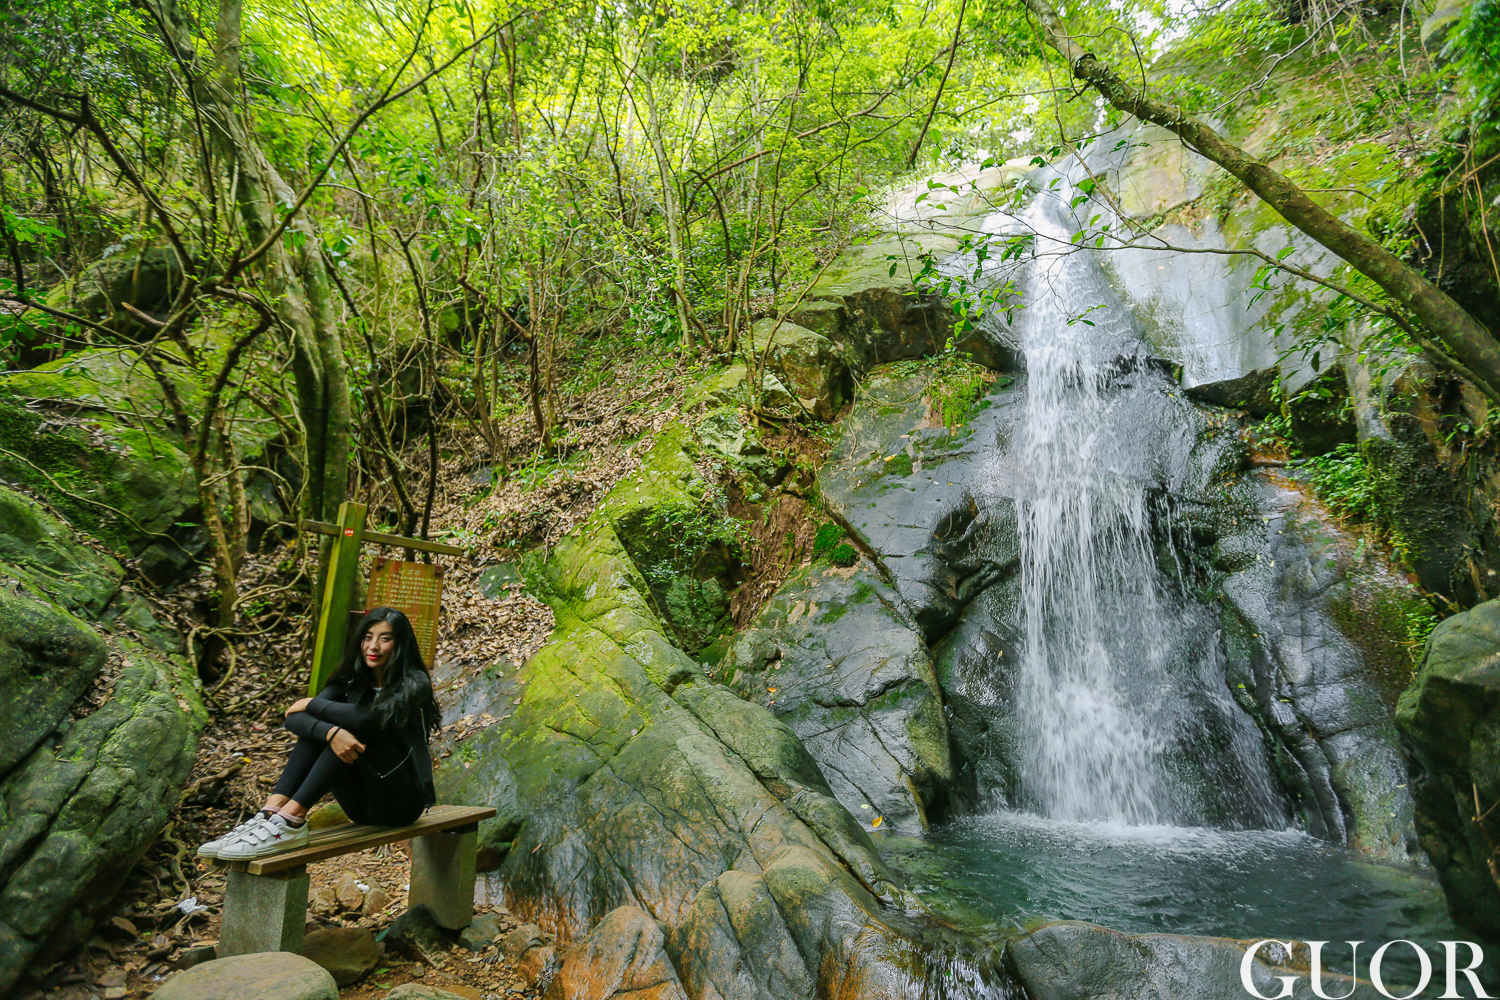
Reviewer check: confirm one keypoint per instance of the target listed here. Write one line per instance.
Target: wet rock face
(1313, 637)
(83, 789)
(1287, 605)
(902, 483)
(1451, 719)
(834, 658)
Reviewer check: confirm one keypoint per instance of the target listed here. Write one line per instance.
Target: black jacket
(397, 753)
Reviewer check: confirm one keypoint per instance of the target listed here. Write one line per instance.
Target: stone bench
(265, 900)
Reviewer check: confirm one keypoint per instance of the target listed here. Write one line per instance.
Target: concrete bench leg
(263, 912)
(442, 875)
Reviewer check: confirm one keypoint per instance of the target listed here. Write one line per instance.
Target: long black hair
(407, 689)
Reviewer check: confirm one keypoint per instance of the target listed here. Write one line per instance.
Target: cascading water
(1112, 690)
(1092, 616)
(1121, 709)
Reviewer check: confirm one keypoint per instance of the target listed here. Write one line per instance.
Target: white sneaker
(266, 837)
(213, 847)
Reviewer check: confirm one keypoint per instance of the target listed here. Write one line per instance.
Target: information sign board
(415, 589)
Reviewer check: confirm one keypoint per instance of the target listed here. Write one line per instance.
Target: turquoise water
(1012, 870)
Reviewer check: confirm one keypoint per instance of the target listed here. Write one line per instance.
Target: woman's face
(377, 645)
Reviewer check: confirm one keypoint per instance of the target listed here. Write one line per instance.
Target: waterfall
(1122, 710)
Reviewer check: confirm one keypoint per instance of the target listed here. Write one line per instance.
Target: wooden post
(263, 912)
(442, 875)
(338, 592)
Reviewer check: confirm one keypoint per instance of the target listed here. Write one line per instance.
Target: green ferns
(1341, 479)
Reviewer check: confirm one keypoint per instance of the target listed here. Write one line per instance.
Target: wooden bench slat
(346, 838)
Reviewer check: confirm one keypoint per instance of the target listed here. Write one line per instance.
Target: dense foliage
(369, 221)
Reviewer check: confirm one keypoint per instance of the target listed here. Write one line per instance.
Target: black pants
(368, 790)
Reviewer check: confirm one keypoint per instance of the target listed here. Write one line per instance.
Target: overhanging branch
(1433, 312)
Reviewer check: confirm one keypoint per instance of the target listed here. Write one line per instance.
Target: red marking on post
(348, 532)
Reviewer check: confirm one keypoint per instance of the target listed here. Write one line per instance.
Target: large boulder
(48, 659)
(279, 975)
(100, 728)
(624, 956)
(872, 304)
(808, 362)
(1438, 25)
(86, 432)
(145, 278)
(1254, 392)
(36, 547)
(623, 776)
(1314, 639)
(347, 953)
(1451, 719)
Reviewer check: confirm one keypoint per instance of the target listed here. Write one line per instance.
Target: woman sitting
(364, 738)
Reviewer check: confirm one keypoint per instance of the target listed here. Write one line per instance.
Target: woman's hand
(300, 705)
(346, 746)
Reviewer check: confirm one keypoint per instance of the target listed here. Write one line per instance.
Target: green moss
(844, 555)
(898, 464)
(1389, 626)
(121, 484)
(828, 535)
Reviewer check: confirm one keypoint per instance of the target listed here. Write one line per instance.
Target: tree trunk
(291, 270)
(1469, 343)
(297, 282)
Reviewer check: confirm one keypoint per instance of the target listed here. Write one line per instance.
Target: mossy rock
(885, 316)
(810, 365)
(726, 434)
(48, 658)
(82, 805)
(146, 278)
(88, 432)
(731, 388)
(1425, 503)
(622, 775)
(1451, 718)
(42, 551)
(1320, 414)
(125, 485)
(1312, 658)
